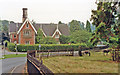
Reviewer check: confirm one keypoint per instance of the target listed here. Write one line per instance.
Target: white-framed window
(26, 32)
(56, 36)
(27, 42)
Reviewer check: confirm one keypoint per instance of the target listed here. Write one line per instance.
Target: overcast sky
(47, 11)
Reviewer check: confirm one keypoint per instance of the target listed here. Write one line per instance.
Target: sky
(47, 11)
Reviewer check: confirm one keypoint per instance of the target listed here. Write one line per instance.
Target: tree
(40, 39)
(5, 24)
(60, 22)
(106, 19)
(48, 40)
(81, 36)
(1, 26)
(74, 26)
(64, 39)
(5, 28)
(39, 36)
(88, 26)
(81, 24)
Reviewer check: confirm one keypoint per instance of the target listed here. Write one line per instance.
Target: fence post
(36, 53)
(48, 54)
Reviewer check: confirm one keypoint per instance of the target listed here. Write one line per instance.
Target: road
(11, 65)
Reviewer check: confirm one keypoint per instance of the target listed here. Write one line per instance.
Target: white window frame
(57, 36)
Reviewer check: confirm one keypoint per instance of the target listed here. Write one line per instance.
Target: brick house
(25, 32)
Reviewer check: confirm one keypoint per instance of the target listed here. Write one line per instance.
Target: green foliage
(24, 48)
(104, 18)
(60, 22)
(48, 40)
(11, 46)
(5, 24)
(64, 39)
(74, 26)
(1, 26)
(81, 25)
(14, 56)
(39, 36)
(40, 39)
(80, 36)
(88, 26)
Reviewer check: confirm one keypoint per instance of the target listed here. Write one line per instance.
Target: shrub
(24, 48)
(11, 46)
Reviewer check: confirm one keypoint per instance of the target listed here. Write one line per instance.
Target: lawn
(14, 55)
(96, 63)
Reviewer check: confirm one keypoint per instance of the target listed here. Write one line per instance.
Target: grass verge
(13, 56)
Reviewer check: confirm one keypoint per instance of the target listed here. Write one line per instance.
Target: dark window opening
(14, 36)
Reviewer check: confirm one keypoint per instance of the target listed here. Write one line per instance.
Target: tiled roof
(48, 29)
(13, 27)
(64, 29)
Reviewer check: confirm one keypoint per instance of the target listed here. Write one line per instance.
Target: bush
(24, 48)
(11, 46)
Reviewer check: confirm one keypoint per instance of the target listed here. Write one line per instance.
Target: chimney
(24, 14)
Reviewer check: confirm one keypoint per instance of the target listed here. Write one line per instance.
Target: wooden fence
(35, 66)
(116, 55)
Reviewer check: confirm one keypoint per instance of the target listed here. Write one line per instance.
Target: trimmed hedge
(24, 48)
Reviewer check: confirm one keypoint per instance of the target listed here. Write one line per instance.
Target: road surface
(11, 65)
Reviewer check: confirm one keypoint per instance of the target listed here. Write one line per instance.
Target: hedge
(24, 48)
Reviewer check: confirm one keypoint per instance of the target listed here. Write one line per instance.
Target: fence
(116, 55)
(35, 66)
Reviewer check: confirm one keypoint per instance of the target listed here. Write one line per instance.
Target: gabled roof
(13, 27)
(48, 29)
(64, 29)
(27, 20)
(57, 30)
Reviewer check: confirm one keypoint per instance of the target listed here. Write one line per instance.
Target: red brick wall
(12, 38)
(32, 33)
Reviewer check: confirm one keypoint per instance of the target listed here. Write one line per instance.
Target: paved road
(11, 64)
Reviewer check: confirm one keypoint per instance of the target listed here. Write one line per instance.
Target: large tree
(106, 19)
(74, 26)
